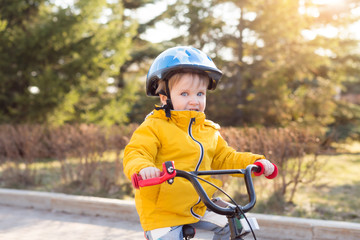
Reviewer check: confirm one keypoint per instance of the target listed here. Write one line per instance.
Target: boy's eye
(200, 94)
(184, 94)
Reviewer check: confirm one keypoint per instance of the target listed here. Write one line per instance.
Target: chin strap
(168, 106)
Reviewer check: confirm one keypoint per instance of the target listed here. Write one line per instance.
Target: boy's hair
(174, 79)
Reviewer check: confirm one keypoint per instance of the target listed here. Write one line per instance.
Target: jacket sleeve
(141, 151)
(227, 158)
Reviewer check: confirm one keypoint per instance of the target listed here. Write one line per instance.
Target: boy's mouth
(193, 109)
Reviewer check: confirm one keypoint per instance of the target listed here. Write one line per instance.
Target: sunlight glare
(328, 31)
(34, 90)
(327, 2)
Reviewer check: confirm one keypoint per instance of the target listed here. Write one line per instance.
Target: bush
(84, 151)
(80, 149)
(293, 150)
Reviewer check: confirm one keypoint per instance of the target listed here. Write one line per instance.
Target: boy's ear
(163, 99)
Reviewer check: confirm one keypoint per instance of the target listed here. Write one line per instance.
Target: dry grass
(107, 179)
(80, 151)
(293, 150)
(76, 159)
(336, 194)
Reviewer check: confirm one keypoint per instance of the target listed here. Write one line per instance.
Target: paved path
(18, 223)
(31, 215)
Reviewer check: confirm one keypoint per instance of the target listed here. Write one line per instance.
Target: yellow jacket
(193, 143)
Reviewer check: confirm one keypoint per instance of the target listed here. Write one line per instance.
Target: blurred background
(72, 90)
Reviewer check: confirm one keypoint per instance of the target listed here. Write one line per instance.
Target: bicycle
(239, 224)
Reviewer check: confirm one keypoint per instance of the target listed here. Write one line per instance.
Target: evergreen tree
(278, 66)
(58, 63)
(142, 54)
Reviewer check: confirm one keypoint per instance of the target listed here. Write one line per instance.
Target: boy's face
(189, 93)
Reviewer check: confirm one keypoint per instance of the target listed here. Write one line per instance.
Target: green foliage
(66, 54)
(279, 67)
(136, 68)
(347, 124)
(87, 62)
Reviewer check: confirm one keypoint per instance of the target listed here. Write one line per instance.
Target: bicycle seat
(188, 232)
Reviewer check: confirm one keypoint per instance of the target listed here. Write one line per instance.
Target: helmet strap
(168, 106)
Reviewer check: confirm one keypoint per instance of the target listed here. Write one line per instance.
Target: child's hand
(149, 172)
(268, 167)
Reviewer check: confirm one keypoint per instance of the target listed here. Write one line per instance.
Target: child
(178, 131)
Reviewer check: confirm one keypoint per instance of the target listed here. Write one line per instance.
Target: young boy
(178, 131)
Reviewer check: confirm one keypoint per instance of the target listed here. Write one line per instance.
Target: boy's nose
(194, 101)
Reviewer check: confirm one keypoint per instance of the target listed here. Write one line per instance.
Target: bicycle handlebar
(205, 198)
(169, 172)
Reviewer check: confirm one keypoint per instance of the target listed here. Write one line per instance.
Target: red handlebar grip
(135, 180)
(262, 169)
(138, 182)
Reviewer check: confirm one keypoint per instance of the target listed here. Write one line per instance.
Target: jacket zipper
(200, 145)
(192, 209)
(198, 164)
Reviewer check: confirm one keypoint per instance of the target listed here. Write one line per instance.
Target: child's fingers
(149, 172)
(143, 173)
(154, 173)
(268, 167)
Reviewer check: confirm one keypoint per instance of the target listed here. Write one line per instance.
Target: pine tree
(278, 66)
(57, 62)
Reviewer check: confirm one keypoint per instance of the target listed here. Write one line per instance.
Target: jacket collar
(180, 118)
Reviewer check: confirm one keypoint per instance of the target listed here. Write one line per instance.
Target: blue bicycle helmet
(179, 59)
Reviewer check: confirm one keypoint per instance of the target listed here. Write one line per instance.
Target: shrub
(293, 150)
(80, 149)
(84, 151)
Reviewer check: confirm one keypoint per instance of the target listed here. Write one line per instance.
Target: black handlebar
(232, 212)
(192, 177)
(169, 172)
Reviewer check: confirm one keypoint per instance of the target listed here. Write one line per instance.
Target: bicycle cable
(227, 195)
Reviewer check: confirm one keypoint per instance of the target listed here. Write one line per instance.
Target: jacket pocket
(150, 193)
(177, 198)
